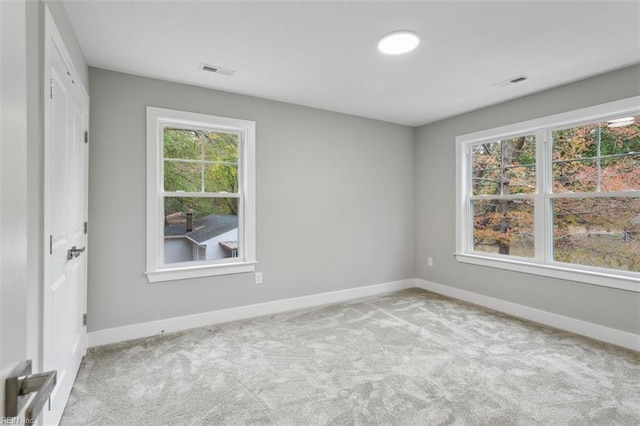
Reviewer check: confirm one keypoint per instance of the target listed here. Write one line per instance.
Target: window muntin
(577, 193)
(200, 195)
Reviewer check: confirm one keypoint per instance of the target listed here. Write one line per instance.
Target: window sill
(200, 271)
(622, 282)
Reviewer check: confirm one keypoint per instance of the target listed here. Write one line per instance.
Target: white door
(65, 207)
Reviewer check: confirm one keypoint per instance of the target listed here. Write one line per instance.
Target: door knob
(74, 252)
(20, 384)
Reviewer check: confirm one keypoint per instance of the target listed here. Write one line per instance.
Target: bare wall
(435, 209)
(335, 202)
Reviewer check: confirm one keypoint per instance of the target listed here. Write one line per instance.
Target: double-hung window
(557, 196)
(200, 195)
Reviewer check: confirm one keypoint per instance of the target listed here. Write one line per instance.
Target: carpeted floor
(408, 358)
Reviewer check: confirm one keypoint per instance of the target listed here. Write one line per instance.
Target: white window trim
(623, 280)
(156, 271)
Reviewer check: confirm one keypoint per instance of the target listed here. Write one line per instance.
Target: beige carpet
(408, 358)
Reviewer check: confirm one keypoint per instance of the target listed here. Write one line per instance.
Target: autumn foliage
(594, 199)
(204, 162)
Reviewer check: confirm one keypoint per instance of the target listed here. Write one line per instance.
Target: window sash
(230, 260)
(181, 125)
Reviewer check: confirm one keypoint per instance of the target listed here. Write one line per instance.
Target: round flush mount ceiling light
(398, 42)
(621, 122)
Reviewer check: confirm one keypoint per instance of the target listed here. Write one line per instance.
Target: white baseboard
(594, 331)
(153, 328)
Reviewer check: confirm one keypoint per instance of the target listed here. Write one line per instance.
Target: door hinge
(84, 319)
(86, 136)
(50, 244)
(51, 89)
(86, 227)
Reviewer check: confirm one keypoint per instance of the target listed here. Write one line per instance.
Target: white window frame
(157, 120)
(540, 264)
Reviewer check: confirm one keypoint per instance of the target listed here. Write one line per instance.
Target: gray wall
(335, 202)
(435, 204)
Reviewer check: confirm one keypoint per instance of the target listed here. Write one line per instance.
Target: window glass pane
(575, 176)
(200, 229)
(519, 180)
(620, 135)
(620, 173)
(609, 152)
(181, 176)
(486, 168)
(183, 144)
(503, 226)
(221, 147)
(519, 151)
(574, 143)
(601, 232)
(221, 178)
(486, 182)
(504, 167)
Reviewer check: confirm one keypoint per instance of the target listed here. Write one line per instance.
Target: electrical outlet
(429, 262)
(258, 277)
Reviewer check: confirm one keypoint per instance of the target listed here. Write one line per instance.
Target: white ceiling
(324, 55)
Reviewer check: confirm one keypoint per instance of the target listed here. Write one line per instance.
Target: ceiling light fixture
(398, 42)
(621, 122)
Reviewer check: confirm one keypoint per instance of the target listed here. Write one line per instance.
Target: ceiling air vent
(509, 82)
(217, 70)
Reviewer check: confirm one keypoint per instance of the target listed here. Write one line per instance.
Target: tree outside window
(587, 181)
